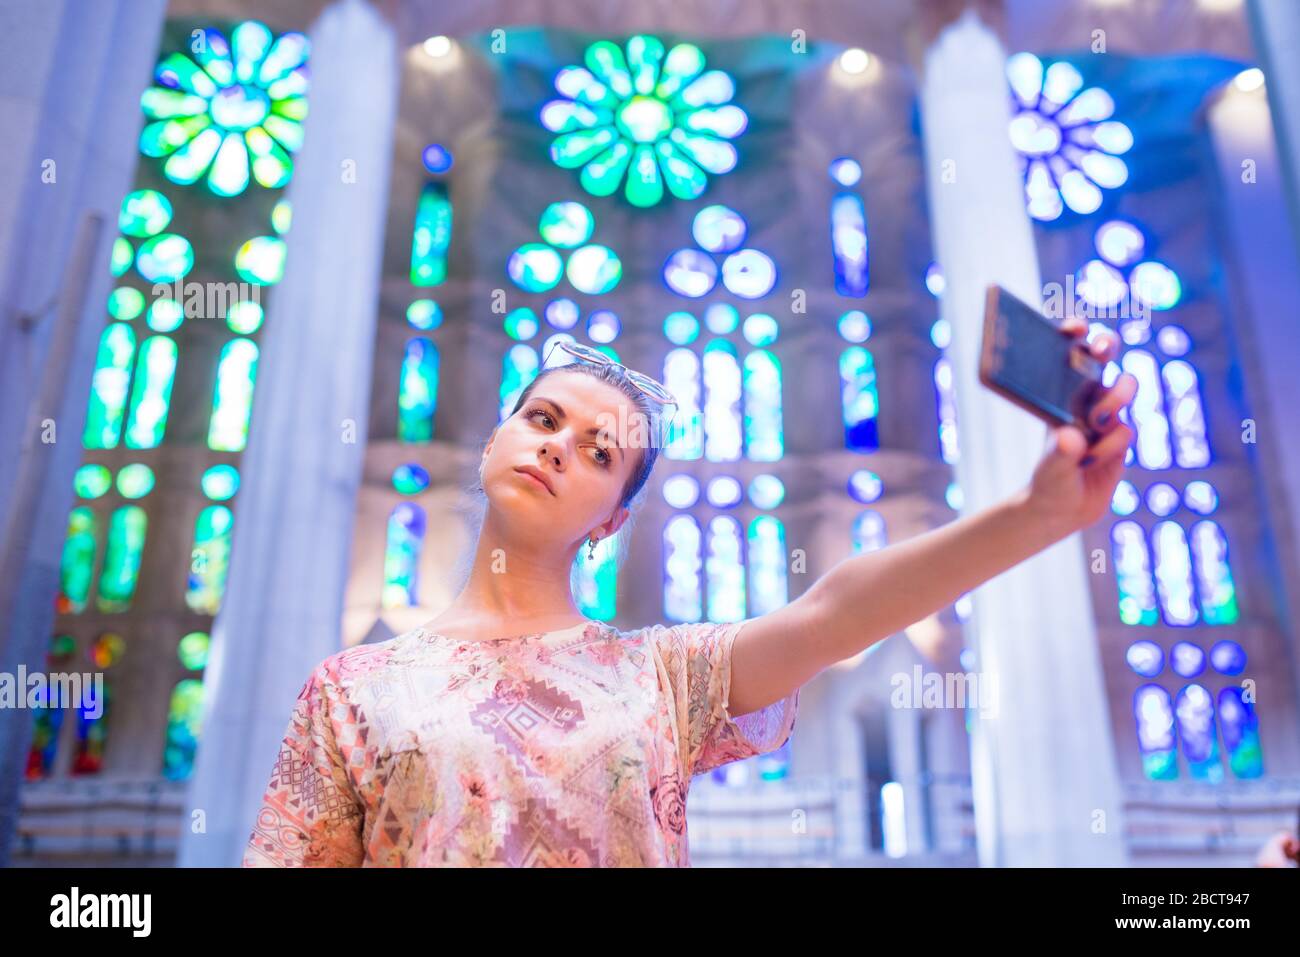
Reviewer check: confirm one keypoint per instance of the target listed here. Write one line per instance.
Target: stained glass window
(859, 399)
(1154, 714)
(1069, 146)
(209, 559)
(233, 402)
(402, 555)
(77, 567)
(234, 101)
(645, 117)
(431, 237)
(184, 722)
(108, 388)
(117, 581)
(417, 396)
(151, 398)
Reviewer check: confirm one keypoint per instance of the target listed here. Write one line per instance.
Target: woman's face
(580, 436)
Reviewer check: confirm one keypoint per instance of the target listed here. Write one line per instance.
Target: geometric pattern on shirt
(539, 837)
(515, 714)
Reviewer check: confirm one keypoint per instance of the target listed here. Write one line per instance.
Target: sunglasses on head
(651, 387)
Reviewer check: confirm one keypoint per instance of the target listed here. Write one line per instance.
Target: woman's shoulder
(341, 668)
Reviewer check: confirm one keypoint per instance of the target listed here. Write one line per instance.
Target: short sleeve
(697, 658)
(310, 814)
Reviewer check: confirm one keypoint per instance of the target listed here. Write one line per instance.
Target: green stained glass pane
(406, 527)
(126, 534)
(184, 721)
(165, 258)
(151, 397)
(229, 173)
(135, 480)
(78, 562)
(244, 317)
(166, 136)
(220, 482)
(291, 108)
(644, 119)
(213, 54)
(291, 85)
(281, 216)
(192, 160)
(571, 150)
(239, 107)
(424, 314)
(272, 167)
(250, 42)
(125, 303)
(123, 254)
(644, 56)
(233, 402)
(685, 180)
(108, 387)
(521, 323)
(605, 60)
(417, 397)
(534, 267)
(644, 185)
(160, 103)
(712, 154)
(288, 132)
(594, 270)
(431, 236)
(185, 74)
(144, 213)
(92, 481)
(602, 175)
(261, 260)
(682, 64)
(193, 650)
(209, 559)
(410, 479)
(567, 225)
(165, 315)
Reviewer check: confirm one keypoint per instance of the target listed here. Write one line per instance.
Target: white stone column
(69, 108)
(1275, 28)
(1043, 766)
(1263, 266)
(294, 515)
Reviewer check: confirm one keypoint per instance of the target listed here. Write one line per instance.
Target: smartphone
(1028, 359)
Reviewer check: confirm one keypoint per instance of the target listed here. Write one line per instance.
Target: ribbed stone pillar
(1044, 774)
(294, 516)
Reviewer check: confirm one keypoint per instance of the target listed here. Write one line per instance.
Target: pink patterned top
(571, 748)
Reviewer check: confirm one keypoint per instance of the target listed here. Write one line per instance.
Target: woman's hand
(1073, 484)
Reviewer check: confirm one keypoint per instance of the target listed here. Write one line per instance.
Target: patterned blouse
(571, 748)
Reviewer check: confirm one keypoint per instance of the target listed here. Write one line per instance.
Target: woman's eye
(607, 459)
(542, 412)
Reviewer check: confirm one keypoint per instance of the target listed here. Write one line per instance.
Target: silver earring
(591, 551)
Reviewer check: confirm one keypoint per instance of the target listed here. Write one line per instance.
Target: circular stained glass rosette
(650, 119)
(229, 111)
(1069, 146)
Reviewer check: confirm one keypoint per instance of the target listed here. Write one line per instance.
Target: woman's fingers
(1073, 326)
(1113, 444)
(1104, 412)
(1105, 346)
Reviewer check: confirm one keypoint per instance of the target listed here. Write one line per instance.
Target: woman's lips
(533, 479)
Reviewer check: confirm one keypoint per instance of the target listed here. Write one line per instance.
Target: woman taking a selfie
(512, 731)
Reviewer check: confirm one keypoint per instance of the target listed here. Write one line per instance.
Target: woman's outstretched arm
(868, 597)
